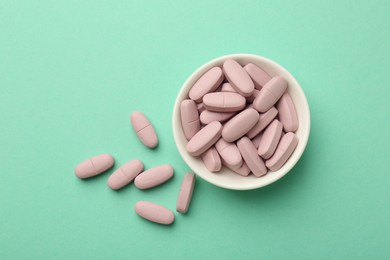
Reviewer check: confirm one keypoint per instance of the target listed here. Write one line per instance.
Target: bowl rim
(176, 117)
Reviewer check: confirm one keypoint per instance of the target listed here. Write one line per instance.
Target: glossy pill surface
(125, 174)
(208, 82)
(154, 212)
(204, 139)
(94, 166)
(185, 193)
(144, 129)
(238, 77)
(153, 177)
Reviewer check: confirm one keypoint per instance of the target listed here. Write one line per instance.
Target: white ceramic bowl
(226, 178)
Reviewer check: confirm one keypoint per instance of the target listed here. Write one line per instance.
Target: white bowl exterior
(226, 178)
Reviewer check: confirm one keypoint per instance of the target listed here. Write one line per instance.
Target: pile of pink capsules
(240, 117)
(134, 171)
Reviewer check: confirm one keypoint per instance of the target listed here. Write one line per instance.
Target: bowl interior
(226, 178)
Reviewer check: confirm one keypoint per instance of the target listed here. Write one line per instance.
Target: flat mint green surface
(71, 72)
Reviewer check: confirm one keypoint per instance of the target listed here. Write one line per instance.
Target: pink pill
(229, 153)
(200, 107)
(264, 120)
(226, 87)
(270, 94)
(243, 170)
(211, 160)
(185, 193)
(224, 102)
(154, 212)
(204, 139)
(144, 129)
(251, 98)
(286, 147)
(287, 113)
(206, 117)
(209, 82)
(270, 139)
(256, 140)
(189, 118)
(259, 76)
(94, 166)
(251, 158)
(238, 77)
(125, 174)
(153, 177)
(240, 124)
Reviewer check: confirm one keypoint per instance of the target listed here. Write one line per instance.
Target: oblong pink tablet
(286, 147)
(240, 124)
(189, 118)
(153, 177)
(287, 113)
(256, 140)
(270, 139)
(229, 153)
(125, 174)
(238, 77)
(224, 102)
(243, 170)
(259, 76)
(270, 94)
(204, 139)
(226, 87)
(211, 160)
(154, 212)
(264, 120)
(208, 82)
(251, 98)
(206, 117)
(144, 129)
(94, 166)
(251, 158)
(200, 107)
(185, 193)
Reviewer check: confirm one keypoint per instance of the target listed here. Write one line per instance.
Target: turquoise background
(71, 72)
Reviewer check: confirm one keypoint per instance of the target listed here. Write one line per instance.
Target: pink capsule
(144, 129)
(154, 212)
(204, 139)
(125, 174)
(264, 120)
(153, 177)
(287, 113)
(185, 193)
(240, 124)
(259, 76)
(270, 94)
(286, 147)
(229, 153)
(224, 102)
(208, 82)
(189, 118)
(270, 139)
(211, 160)
(94, 166)
(238, 77)
(251, 158)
